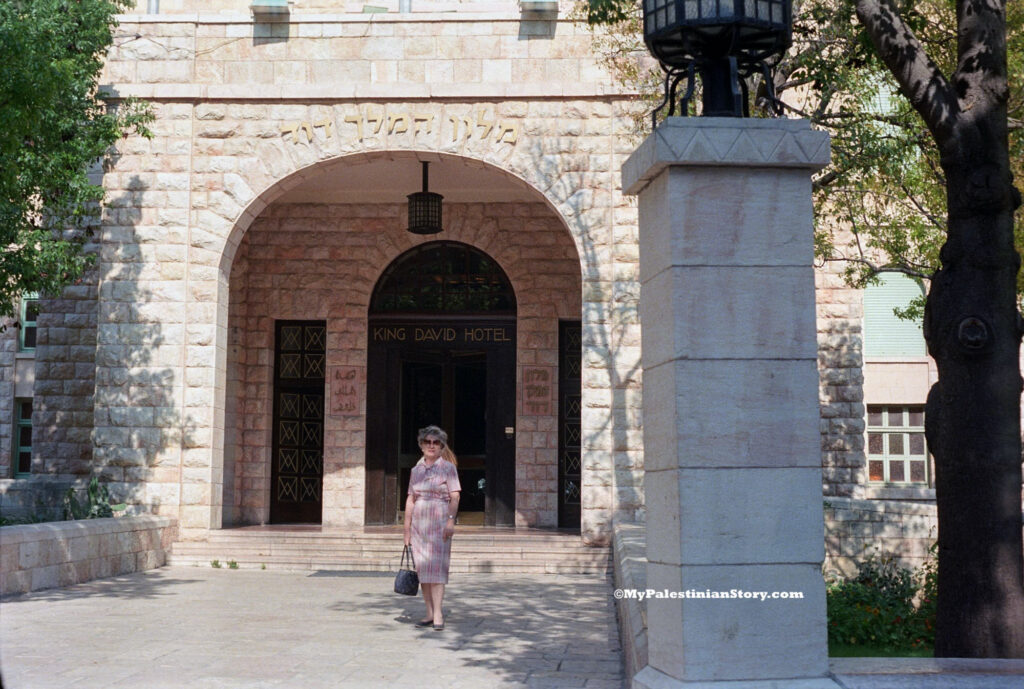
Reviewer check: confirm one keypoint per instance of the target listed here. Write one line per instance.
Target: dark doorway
(442, 351)
(448, 388)
(298, 432)
(467, 390)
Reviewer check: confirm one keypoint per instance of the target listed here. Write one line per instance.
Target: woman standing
(430, 513)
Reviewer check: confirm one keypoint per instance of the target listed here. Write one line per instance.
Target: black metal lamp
(425, 209)
(723, 40)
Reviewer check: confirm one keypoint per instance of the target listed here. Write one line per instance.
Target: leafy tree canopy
(881, 204)
(54, 129)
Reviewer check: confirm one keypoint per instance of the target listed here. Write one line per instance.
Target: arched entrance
(315, 257)
(442, 350)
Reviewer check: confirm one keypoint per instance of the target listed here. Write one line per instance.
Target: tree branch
(824, 180)
(980, 77)
(876, 269)
(920, 79)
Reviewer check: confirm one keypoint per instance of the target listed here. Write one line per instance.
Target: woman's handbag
(407, 581)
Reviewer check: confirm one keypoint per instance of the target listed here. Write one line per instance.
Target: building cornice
(341, 93)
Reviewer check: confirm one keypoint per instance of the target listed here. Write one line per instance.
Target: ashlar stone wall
(841, 387)
(8, 349)
(242, 117)
(312, 261)
(244, 112)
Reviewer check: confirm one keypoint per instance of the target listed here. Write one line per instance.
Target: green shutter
(885, 335)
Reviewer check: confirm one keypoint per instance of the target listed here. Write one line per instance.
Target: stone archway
(516, 226)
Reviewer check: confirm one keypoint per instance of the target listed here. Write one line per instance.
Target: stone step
(388, 538)
(325, 550)
(598, 566)
(475, 550)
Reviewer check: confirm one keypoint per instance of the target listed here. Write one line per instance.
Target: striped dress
(430, 487)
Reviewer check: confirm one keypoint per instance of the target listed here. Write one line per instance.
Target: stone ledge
(725, 142)
(486, 12)
(884, 506)
(340, 93)
(53, 554)
(629, 556)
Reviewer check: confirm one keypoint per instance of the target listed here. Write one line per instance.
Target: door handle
(510, 432)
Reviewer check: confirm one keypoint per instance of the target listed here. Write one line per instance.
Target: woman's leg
(437, 597)
(428, 598)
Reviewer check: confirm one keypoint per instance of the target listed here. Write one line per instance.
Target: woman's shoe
(424, 623)
(438, 627)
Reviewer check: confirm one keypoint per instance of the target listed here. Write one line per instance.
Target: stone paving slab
(928, 673)
(205, 628)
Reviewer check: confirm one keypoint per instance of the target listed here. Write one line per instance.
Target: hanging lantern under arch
(425, 208)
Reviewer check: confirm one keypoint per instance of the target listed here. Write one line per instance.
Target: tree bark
(973, 330)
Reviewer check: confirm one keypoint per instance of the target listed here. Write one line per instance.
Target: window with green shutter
(886, 335)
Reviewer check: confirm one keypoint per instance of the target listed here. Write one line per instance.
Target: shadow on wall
(143, 426)
(611, 334)
(841, 400)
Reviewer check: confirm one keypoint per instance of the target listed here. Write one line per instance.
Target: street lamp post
(722, 40)
(729, 342)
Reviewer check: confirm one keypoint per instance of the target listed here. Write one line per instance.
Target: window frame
(887, 457)
(21, 422)
(24, 324)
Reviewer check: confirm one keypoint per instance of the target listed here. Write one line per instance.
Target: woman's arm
(453, 510)
(408, 518)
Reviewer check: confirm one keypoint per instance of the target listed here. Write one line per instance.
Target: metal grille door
(298, 448)
(570, 361)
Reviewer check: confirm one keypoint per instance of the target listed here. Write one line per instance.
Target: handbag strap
(407, 551)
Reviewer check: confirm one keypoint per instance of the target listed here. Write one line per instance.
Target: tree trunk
(973, 414)
(972, 327)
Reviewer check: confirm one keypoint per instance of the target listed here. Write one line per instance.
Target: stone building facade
(272, 195)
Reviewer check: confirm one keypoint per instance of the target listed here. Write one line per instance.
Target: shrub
(884, 605)
(97, 506)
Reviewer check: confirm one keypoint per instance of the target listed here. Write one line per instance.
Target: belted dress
(430, 488)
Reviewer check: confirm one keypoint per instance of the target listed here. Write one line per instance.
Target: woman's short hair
(432, 432)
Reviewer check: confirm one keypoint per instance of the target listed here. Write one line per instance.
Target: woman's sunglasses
(431, 441)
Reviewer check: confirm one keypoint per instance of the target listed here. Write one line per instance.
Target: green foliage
(232, 564)
(884, 606)
(34, 518)
(881, 203)
(96, 506)
(54, 129)
(609, 11)
(215, 564)
(885, 184)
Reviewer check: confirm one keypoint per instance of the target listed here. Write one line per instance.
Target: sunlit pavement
(201, 627)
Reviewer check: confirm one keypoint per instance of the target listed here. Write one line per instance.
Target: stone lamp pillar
(732, 449)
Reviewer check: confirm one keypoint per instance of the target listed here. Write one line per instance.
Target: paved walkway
(199, 627)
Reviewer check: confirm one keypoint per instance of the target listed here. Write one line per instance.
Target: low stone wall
(42, 556)
(629, 555)
(856, 529)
